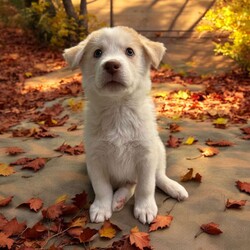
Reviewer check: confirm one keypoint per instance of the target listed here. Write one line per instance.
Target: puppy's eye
(98, 53)
(130, 52)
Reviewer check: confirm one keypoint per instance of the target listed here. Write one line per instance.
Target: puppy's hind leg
(171, 187)
(122, 195)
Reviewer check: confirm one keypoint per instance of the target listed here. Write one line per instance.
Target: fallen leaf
(173, 127)
(209, 151)
(3, 221)
(14, 150)
(211, 228)
(5, 241)
(35, 232)
(76, 150)
(243, 186)
(189, 176)
(13, 227)
(181, 94)
(6, 170)
(190, 140)
(108, 230)
(87, 235)
(53, 212)
(220, 123)
(246, 130)
(235, 203)
(173, 142)
(80, 200)
(36, 164)
(5, 201)
(78, 222)
(160, 221)
(62, 198)
(139, 239)
(221, 143)
(73, 127)
(34, 204)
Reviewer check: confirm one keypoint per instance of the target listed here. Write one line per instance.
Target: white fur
(123, 149)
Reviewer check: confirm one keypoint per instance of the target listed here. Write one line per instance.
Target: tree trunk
(51, 8)
(83, 12)
(69, 8)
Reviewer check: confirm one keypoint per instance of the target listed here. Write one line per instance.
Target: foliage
(231, 20)
(58, 30)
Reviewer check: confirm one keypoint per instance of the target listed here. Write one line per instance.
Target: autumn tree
(59, 23)
(229, 20)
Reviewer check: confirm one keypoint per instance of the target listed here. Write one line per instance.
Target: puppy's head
(115, 61)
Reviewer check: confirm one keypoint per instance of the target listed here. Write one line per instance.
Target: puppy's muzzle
(112, 67)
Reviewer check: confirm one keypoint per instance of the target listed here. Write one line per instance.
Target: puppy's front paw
(145, 211)
(177, 191)
(99, 212)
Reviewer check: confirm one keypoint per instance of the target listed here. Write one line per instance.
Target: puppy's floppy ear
(74, 54)
(154, 50)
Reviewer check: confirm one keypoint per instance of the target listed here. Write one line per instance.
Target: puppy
(124, 153)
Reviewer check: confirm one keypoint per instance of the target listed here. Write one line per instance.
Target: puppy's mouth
(114, 85)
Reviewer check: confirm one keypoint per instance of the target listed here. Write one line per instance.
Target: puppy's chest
(120, 126)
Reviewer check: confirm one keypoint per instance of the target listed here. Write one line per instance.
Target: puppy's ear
(74, 55)
(154, 50)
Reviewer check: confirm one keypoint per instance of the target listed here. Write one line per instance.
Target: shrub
(230, 20)
(58, 30)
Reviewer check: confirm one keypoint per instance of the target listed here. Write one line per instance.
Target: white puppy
(123, 149)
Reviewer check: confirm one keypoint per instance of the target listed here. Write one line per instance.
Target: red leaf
(174, 142)
(36, 164)
(5, 201)
(246, 130)
(80, 200)
(160, 222)
(87, 235)
(76, 150)
(221, 143)
(140, 239)
(211, 228)
(243, 186)
(14, 150)
(235, 204)
(34, 204)
(13, 227)
(5, 241)
(36, 232)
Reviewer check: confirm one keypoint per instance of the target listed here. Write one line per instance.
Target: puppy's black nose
(112, 66)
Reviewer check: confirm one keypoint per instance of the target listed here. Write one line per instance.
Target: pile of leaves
(224, 96)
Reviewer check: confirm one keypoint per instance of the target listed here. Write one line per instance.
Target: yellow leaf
(108, 230)
(79, 222)
(190, 140)
(28, 74)
(41, 122)
(62, 198)
(54, 121)
(6, 170)
(220, 121)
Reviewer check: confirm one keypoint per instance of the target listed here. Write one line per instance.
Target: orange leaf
(160, 222)
(243, 186)
(34, 204)
(108, 230)
(211, 228)
(6, 170)
(235, 204)
(189, 176)
(210, 151)
(5, 201)
(5, 241)
(140, 239)
(13, 227)
(14, 150)
(221, 143)
(53, 212)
